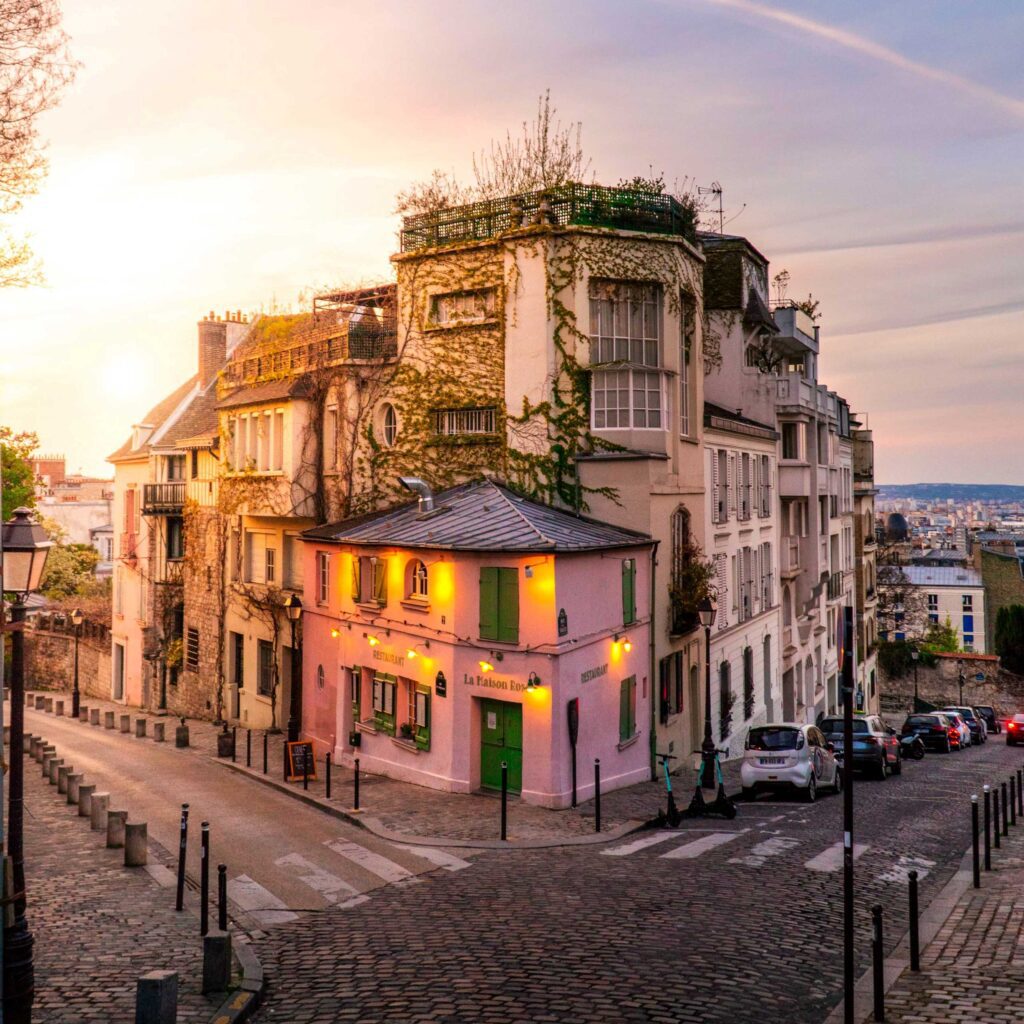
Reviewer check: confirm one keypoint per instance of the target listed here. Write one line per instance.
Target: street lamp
(293, 609)
(706, 612)
(76, 620)
(24, 545)
(915, 654)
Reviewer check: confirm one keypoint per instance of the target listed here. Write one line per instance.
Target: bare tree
(35, 68)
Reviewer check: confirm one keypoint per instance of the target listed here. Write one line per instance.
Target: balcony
(835, 586)
(795, 480)
(172, 572)
(624, 209)
(163, 499)
(794, 323)
(791, 558)
(795, 393)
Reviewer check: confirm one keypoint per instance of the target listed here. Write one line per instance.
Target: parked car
(1015, 731)
(988, 713)
(964, 729)
(936, 731)
(875, 745)
(976, 724)
(789, 756)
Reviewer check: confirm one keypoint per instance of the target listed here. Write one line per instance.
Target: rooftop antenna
(714, 189)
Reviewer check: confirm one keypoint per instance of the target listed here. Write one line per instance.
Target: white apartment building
(951, 594)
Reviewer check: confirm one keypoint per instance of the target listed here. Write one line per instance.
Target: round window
(389, 423)
(319, 677)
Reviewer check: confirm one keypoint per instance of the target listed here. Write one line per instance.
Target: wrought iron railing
(625, 209)
(835, 586)
(164, 497)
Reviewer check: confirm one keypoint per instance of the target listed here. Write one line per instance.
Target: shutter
(766, 484)
(489, 603)
(380, 581)
(632, 705)
(722, 586)
(355, 579)
(731, 486)
(129, 500)
(508, 605)
(628, 591)
(663, 690)
(715, 490)
(624, 732)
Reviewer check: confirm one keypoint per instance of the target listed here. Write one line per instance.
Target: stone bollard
(85, 792)
(30, 700)
(108, 719)
(116, 821)
(181, 735)
(136, 845)
(94, 716)
(126, 723)
(216, 961)
(48, 705)
(55, 766)
(100, 804)
(158, 732)
(58, 708)
(40, 703)
(32, 745)
(140, 727)
(156, 998)
(62, 777)
(48, 756)
(74, 781)
(83, 713)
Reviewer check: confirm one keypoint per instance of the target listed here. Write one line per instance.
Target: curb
(377, 828)
(244, 1000)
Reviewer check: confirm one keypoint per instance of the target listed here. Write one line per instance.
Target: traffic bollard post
(179, 903)
(1006, 824)
(597, 794)
(222, 897)
(234, 742)
(975, 859)
(915, 939)
(987, 790)
(1013, 800)
(264, 753)
(305, 773)
(504, 799)
(248, 748)
(878, 962)
(284, 758)
(355, 787)
(204, 879)
(327, 774)
(1020, 792)
(995, 818)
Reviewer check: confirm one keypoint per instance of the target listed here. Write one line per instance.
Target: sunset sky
(235, 153)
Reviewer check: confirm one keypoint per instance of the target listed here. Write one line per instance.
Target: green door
(501, 732)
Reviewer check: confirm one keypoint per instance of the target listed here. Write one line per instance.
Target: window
(671, 675)
(370, 580)
(417, 581)
(292, 562)
(175, 467)
(969, 642)
(118, 593)
(628, 591)
(791, 440)
(627, 709)
(256, 560)
(175, 537)
(725, 700)
(499, 604)
(720, 486)
(194, 463)
(687, 324)
(681, 549)
(265, 679)
(746, 486)
(384, 687)
(765, 488)
(237, 647)
(192, 649)
(967, 600)
(331, 437)
(419, 716)
(271, 565)
(389, 424)
(458, 422)
(323, 577)
(355, 681)
(968, 624)
(264, 441)
(462, 307)
(767, 644)
(627, 398)
(748, 683)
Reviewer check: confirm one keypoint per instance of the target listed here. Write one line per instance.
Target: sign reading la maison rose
(493, 683)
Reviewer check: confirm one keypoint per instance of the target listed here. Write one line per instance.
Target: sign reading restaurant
(394, 659)
(594, 673)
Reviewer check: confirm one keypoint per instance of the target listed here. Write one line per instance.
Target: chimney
(213, 341)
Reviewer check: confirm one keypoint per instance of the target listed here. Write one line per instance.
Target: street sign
(563, 622)
(301, 758)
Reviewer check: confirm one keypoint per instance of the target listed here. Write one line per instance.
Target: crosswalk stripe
(261, 904)
(375, 863)
(329, 886)
(444, 860)
(900, 871)
(831, 858)
(690, 850)
(760, 852)
(640, 844)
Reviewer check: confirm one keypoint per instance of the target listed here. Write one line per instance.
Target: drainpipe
(420, 487)
(653, 674)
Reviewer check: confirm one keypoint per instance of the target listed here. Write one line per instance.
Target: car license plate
(773, 760)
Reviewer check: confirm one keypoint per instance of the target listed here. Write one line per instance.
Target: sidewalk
(400, 810)
(973, 970)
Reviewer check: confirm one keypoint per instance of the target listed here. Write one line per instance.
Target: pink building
(446, 636)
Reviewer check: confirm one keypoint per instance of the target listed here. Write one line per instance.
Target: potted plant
(692, 581)
(406, 730)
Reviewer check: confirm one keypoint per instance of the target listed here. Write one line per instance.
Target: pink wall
(586, 663)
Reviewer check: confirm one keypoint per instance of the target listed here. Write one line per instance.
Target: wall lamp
(533, 682)
(371, 639)
(627, 644)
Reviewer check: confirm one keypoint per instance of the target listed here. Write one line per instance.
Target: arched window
(725, 700)
(681, 550)
(389, 424)
(319, 677)
(417, 584)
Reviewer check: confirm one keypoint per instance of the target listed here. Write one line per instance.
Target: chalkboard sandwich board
(301, 758)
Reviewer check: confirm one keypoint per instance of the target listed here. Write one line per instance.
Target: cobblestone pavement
(973, 971)
(719, 922)
(97, 925)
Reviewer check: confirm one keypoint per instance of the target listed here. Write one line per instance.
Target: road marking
(831, 858)
(323, 882)
(260, 903)
(444, 860)
(688, 851)
(640, 844)
(386, 870)
(760, 852)
(900, 871)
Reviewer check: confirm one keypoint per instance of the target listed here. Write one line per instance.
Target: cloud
(928, 236)
(858, 44)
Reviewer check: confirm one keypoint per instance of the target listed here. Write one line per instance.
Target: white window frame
(628, 376)
(323, 577)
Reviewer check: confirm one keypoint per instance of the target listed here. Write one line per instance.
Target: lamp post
(706, 612)
(915, 654)
(293, 609)
(76, 620)
(25, 547)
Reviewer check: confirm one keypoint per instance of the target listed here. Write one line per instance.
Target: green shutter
(632, 705)
(489, 603)
(624, 730)
(508, 605)
(380, 582)
(356, 592)
(628, 591)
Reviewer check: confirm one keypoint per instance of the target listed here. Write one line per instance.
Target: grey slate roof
(480, 516)
(942, 576)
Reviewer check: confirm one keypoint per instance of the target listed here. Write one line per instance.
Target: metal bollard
(98, 807)
(1006, 824)
(85, 792)
(915, 939)
(597, 794)
(284, 759)
(222, 897)
(975, 859)
(1020, 792)
(504, 799)
(878, 962)
(136, 845)
(116, 821)
(234, 742)
(995, 818)
(264, 753)
(1013, 800)
(204, 878)
(355, 787)
(248, 748)
(179, 901)
(988, 827)
(327, 774)
(305, 773)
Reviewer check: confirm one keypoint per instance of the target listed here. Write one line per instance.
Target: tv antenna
(714, 189)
